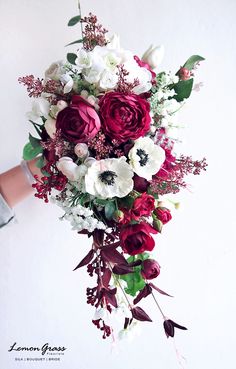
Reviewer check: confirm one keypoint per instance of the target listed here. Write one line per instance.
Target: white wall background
(42, 300)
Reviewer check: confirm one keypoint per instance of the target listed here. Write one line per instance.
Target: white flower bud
(50, 126)
(153, 56)
(81, 150)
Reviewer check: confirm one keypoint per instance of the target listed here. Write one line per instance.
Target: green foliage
(30, 152)
(40, 163)
(73, 21)
(183, 89)
(35, 142)
(110, 208)
(190, 63)
(126, 202)
(135, 281)
(71, 57)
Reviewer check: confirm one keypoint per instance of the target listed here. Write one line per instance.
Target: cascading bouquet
(106, 125)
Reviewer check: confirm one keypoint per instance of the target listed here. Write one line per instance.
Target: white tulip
(50, 126)
(71, 170)
(153, 56)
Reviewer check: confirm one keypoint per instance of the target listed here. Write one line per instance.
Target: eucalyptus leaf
(190, 63)
(75, 42)
(73, 21)
(71, 57)
(29, 152)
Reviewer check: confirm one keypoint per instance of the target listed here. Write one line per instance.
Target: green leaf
(135, 282)
(190, 63)
(40, 163)
(35, 142)
(75, 42)
(71, 57)
(126, 202)
(73, 21)
(110, 208)
(100, 202)
(84, 198)
(183, 89)
(29, 152)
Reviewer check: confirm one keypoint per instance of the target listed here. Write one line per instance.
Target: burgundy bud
(150, 269)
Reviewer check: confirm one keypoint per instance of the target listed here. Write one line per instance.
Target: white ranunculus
(108, 80)
(50, 126)
(40, 108)
(108, 178)
(146, 158)
(55, 71)
(143, 75)
(153, 56)
(92, 75)
(71, 170)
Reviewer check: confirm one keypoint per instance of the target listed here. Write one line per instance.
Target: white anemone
(146, 158)
(109, 178)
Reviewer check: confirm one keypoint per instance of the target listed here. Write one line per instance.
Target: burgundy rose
(143, 206)
(150, 269)
(163, 214)
(124, 117)
(136, 238)
(78, 122)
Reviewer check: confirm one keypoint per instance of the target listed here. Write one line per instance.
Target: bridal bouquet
(106, 126)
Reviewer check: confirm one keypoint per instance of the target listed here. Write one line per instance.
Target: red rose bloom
(136, 238)
(150, 269)
(124, 117)
(143, 206)
(163, 214)
(78, 122)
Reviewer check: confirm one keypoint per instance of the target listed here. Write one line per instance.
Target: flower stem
(80, 13)
(158, 306)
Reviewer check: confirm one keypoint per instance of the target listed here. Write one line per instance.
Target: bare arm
(14, 184)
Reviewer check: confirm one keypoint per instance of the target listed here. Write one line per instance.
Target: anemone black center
(108, 177)
(143, 157)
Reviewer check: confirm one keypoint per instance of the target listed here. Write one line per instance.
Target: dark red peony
(143, 206)
(150, 269)
(136, 238)
(124, 117)
(78, 122)
(163, 214)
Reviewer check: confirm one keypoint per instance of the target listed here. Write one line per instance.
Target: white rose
(81, 150)
(55, 71)
(153, 56)
(50, 126)
(71, 170)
